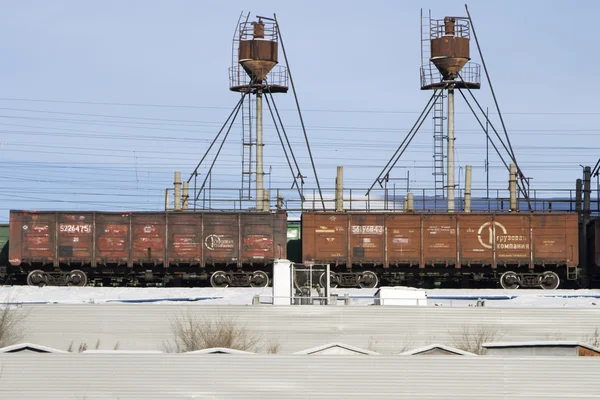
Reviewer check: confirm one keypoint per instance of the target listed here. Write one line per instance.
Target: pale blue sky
(356, 69)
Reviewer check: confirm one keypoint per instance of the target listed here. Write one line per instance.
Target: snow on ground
(244, 296)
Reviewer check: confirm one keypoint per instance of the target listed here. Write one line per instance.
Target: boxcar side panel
(555, 239)
(259, 240)
(367, 239)
(439, 239)
(75, 237)
(185, 238)
(33, 238)
(148, 238)
(15, 248)
(221, 238)
(475, 239)
(403, 235)
(112, 238)
(325, 238)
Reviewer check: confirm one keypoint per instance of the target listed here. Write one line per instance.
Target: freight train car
(419, 249)
(71, 248)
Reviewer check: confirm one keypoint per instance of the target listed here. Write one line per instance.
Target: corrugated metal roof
(389, 330)
(542, 343)
(173, 376)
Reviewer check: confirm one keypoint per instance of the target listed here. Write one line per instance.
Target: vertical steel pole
(450, 152)
(259, 153)
(587, 192)
(487, 157)
(185, 196)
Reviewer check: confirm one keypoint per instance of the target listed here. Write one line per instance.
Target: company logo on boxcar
(213, 242)
(504, 241)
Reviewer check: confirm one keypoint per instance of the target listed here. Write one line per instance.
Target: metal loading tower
(255, 72)
(257, 54)
(446, 69)
(445, 44)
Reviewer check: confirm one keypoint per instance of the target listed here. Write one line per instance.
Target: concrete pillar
(177, 194)
(339, 189)
(410, 202)
(265, 203)
(512, 187)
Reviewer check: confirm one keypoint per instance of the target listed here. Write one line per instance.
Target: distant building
(541, 348)
(437, 350)
(337, 349)
(29, 348)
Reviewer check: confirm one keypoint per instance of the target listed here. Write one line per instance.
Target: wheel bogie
(228, 276)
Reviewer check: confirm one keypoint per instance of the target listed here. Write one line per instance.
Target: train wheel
(77, 278)
(37, 278)
(333, 283)
(510, 280)
(259, 279)
(219, 280)
(368, 280)
(549, 280)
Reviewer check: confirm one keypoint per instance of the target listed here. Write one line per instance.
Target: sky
(102, 101)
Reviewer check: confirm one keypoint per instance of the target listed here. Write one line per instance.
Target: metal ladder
(439, 140)
(248, 147)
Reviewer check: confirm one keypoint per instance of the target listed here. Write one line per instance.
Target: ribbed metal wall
(390, 329)
(166, 376)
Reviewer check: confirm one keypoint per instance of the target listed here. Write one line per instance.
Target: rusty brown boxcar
(70, 247)
(526, 249)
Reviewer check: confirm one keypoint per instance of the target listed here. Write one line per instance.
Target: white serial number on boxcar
(72, 228)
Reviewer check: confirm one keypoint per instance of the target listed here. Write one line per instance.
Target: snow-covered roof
(31, 347)
(348, 349)
(541, 343)
(122, 351)
(218, 350)
(442, 347)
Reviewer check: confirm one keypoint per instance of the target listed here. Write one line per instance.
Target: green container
(294, 241)
(4, 235)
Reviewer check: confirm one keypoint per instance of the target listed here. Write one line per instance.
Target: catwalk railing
(393, 199)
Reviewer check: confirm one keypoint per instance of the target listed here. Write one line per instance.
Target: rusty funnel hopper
(450, 47)
(257, 54)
